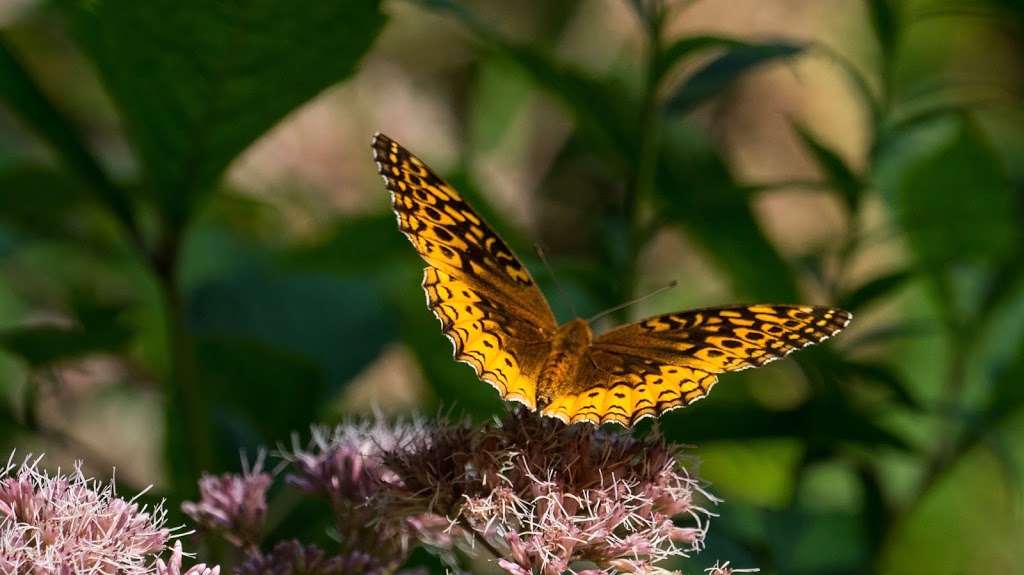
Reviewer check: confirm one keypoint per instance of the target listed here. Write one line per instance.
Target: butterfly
(499, 322)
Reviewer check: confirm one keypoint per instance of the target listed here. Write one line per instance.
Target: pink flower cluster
(546, 498)
(530, 494)
(64, 524)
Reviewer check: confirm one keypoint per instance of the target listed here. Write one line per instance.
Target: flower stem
(479, 537)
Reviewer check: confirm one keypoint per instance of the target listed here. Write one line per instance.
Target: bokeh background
(197, 257)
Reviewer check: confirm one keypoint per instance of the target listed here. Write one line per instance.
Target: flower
(543, 496)
(233, 504)
(68, 523)
(343, 465)
(294, 558)
(174, 566)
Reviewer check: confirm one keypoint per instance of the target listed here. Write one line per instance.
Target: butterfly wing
(669, 361)
(489, 307)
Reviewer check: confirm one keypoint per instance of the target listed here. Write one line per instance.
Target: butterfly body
(561, 367)
(499, 322)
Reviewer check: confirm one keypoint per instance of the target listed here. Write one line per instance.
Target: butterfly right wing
(669, 361)
(489, 307)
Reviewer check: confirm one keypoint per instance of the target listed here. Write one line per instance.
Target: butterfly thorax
(559, 368)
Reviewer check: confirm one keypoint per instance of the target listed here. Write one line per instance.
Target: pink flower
(174, 566)
(544, 496)
(68, 523)
(235, 505)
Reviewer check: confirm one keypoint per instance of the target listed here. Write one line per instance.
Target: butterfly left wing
(669, 361)
(489, 307)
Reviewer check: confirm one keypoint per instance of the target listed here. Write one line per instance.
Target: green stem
(183, 394)
(641, 183)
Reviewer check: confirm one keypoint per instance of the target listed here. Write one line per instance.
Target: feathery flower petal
(67, 523)
(233, 504)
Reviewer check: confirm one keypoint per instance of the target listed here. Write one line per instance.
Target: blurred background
(197, 256)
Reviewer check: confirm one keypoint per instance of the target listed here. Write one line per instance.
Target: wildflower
(232, 504)
(68, 523)
(543, 496)
(343, 465)
(174, 566)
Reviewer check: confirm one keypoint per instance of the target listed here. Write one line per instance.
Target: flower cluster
(545, 497)
(233, 505)
(532, 494)
(66, 523)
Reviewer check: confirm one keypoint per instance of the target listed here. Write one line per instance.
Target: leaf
(257, 394)
(27, 100)
(685, 47)
(883, 375)
(41, 201)
(694, 189)
(600, 109)
(873, 290)
(825, 420)
(954, 202)
(885, 21)
(98, 329)
(717, 75)
(840, 176)
(337, 325)
(196, 82)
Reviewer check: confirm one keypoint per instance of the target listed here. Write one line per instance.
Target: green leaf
(258, 394)
(885, 21)
(874, 290)
(954, 202)
(41, 201)
(841, 177)
(196, 82)
(695, 190)
(339, 326)
(881, 374)
(99, 328)
(690, 45)
(26, 99)
(720, 73)
(601, 110)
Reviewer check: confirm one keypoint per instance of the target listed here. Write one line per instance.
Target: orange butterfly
(499, 322)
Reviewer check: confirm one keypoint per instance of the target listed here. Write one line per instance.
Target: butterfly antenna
(635, 301)
(554, 278)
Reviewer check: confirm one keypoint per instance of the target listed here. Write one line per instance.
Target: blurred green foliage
(904, 453)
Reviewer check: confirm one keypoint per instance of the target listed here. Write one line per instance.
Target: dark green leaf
(840, 176)
(98, 329)
(602, 111)
(365, 245)
(695, 190)
(685, 47)
(198, 81)
(955, 203)
(720, 73)
(883, 375)
(258, 394)
(336, 325)
(873, 290)
(42, 201)
(826, 420)
(885, 21)
(29, 102)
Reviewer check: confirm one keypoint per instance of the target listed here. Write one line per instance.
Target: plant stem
(477, 536)
(182, 385)
(645, 162)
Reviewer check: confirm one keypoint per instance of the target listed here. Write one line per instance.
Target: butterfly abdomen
(563, 361)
